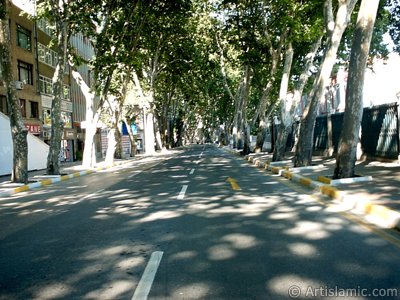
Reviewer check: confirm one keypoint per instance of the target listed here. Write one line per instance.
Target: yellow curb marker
(330, 191)
(64, 177)
(21, 189)
(46, 182)
(324, 179)
(305, 181)
(275, 170)
(288, 174)
(233, 183)
(377, 210)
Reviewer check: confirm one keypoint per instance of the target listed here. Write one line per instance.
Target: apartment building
(34, 63)
(24, 61)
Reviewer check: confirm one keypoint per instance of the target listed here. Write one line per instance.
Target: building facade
(34, 63)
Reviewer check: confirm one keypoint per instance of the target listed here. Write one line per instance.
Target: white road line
(191, 171)
(182, 192)
(91, 195)
(145, 283)
(135, 173)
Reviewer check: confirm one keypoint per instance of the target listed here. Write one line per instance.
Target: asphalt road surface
(197, 224)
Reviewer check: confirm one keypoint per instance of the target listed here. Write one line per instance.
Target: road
(198, 224)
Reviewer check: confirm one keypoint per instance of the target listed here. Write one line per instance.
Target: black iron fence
(379, 131)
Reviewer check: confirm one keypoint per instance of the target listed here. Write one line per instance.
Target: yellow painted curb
(288, 175)
(377, 210)
(77, 174)
(46, 182)
(305, 181)
(64, 177)
(275, 170)
(21, 189)
(330, 191)
(324, 179)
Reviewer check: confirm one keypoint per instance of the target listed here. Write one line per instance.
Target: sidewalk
(38, 178)
(375, 194)
(68, 170)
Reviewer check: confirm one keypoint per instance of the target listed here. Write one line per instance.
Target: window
(45, 85)
(67, 92)
(3, 105)
(34, 110)
(25, 72)
(45, 27)
(24, 38)
(41, 52)
(47, 56)
(22, 103)
(47, 117)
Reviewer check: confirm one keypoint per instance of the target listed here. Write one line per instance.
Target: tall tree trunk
(57, 125)
(238, 115)
(157, 129)
(91, 119)
(18, 131)
(132, 138)
(303, 155)
(262, 115)
(265, 100)
(347, 153)
(89, 152)
(304, 76)
(285, 107)
(245, 99)
(149, 131)
(111, 146)
(118, 136)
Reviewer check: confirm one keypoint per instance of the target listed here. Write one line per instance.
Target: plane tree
(18, 131)
(394, 27)
(335, 25)
(349, 138)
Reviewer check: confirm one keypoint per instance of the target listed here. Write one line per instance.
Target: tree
(349, 138)
(303, 32)
(58, 14)
(113, 28)
(335, 30)
(18, 130)
(286, 104)
(394, 27)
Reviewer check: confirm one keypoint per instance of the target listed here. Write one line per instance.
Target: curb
(50, 181)
(386, 216)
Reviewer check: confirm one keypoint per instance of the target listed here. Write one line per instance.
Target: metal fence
(379, 131)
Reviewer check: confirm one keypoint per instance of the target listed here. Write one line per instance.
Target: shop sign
(34, 129)
(69, 134)
(46, 100)
(65, 105)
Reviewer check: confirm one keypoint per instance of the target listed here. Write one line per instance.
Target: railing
(379, 131)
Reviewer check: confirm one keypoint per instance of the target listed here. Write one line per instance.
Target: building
(34, 63)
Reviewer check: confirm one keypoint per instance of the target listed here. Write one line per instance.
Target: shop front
(69, 136)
